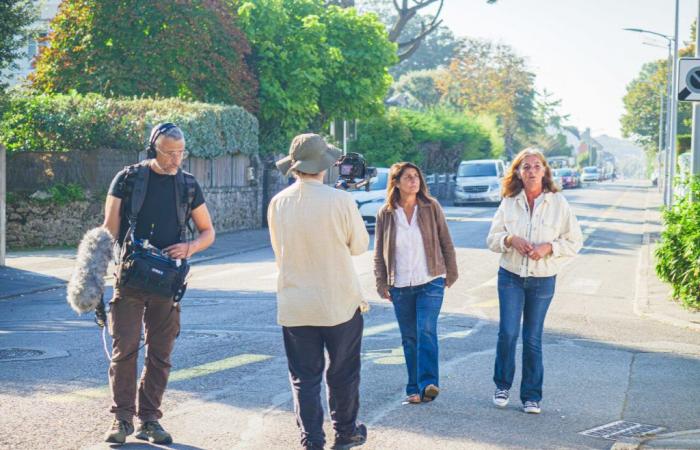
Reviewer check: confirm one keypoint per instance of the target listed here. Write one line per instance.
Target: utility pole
(669, 105)
(345, 137)
(695, 146)
(673, 112)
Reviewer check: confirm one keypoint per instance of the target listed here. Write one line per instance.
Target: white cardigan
(552, 222)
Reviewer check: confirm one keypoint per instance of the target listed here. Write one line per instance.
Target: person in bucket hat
(315, 230)
(310, 154)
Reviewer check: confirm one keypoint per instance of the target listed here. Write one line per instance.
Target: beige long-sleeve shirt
(315, 230)
(551, 221)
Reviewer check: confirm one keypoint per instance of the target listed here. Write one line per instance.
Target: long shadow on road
(229, 366)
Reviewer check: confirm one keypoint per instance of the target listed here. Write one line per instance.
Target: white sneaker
(501, 398)
(531, 407)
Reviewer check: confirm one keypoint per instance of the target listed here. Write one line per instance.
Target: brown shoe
(119, 431)
(430, 392)
(152, 431)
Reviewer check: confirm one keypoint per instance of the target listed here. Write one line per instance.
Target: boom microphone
(86, 286)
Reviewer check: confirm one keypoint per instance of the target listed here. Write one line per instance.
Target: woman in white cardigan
(535, 230)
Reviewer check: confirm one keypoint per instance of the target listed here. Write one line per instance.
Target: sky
(577, 48)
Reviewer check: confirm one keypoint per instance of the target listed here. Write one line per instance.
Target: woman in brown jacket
(414, 260)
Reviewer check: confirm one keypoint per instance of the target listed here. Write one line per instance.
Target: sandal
(412, 399)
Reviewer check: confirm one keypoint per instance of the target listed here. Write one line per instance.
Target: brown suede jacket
(439, 249)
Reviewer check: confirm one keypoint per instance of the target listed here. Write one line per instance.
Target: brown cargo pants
(160, 316)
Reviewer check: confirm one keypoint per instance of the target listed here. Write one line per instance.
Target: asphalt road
(229, 387)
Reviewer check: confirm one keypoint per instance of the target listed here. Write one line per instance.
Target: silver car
(479, 181)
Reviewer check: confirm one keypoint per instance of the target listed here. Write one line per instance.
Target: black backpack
(135, 184)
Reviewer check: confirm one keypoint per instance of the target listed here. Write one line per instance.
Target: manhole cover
(622, 429)
(9, 354)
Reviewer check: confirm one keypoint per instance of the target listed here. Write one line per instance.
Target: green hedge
(678, 254)
(402, 135)
(59, 123)
(683, 142)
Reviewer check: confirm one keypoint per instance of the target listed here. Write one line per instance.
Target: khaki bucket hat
(309, 153)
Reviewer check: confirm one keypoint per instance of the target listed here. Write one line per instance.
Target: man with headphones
(152, 201)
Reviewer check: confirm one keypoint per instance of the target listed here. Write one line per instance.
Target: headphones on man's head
(155, 134)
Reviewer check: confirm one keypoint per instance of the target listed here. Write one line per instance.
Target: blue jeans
(527, 299)
(417, 309)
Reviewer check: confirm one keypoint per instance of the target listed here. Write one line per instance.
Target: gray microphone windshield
(86, 285)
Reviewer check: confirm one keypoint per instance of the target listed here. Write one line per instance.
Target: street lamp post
(670, 105)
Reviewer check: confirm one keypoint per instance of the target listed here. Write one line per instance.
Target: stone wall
(32, 224)
(37, 224)
(234, 209)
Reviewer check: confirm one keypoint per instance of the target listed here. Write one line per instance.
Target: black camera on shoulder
(353, 172)
(146, 268)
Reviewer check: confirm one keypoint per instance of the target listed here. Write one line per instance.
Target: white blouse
(411, 265)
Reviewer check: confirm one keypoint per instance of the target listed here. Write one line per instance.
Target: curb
(49, 287)
(192, 263)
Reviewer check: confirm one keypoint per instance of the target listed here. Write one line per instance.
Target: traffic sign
(689, 79)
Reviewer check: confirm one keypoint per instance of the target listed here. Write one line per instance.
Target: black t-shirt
(157, 219)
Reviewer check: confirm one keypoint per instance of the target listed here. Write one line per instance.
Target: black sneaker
(119, 431)
(357, 438)
(313, 446)
(152, 431)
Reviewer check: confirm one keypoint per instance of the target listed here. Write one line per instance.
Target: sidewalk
(36, 271)
(653, 299)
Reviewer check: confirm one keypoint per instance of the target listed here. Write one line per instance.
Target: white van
(479, 181)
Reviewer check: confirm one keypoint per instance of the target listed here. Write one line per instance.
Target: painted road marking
(178, 375)
(371, 331)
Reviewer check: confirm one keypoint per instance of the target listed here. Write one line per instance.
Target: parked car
(566, 178)
(479, 181)
(369, 202)
(590, 174)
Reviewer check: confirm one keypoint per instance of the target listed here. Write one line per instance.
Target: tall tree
(550, 135)
(314, 63)
(184, 48)
(421, 85)
(640, 120)
(406, 13)
(16, 16)
(643, 106)
(436, 51)
(489, 78)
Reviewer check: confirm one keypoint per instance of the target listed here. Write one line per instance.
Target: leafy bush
(437, 139)
(683, 142)
(66, 193)
(678, 254)
(59, 123)
(386, 139)
(192, 50)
